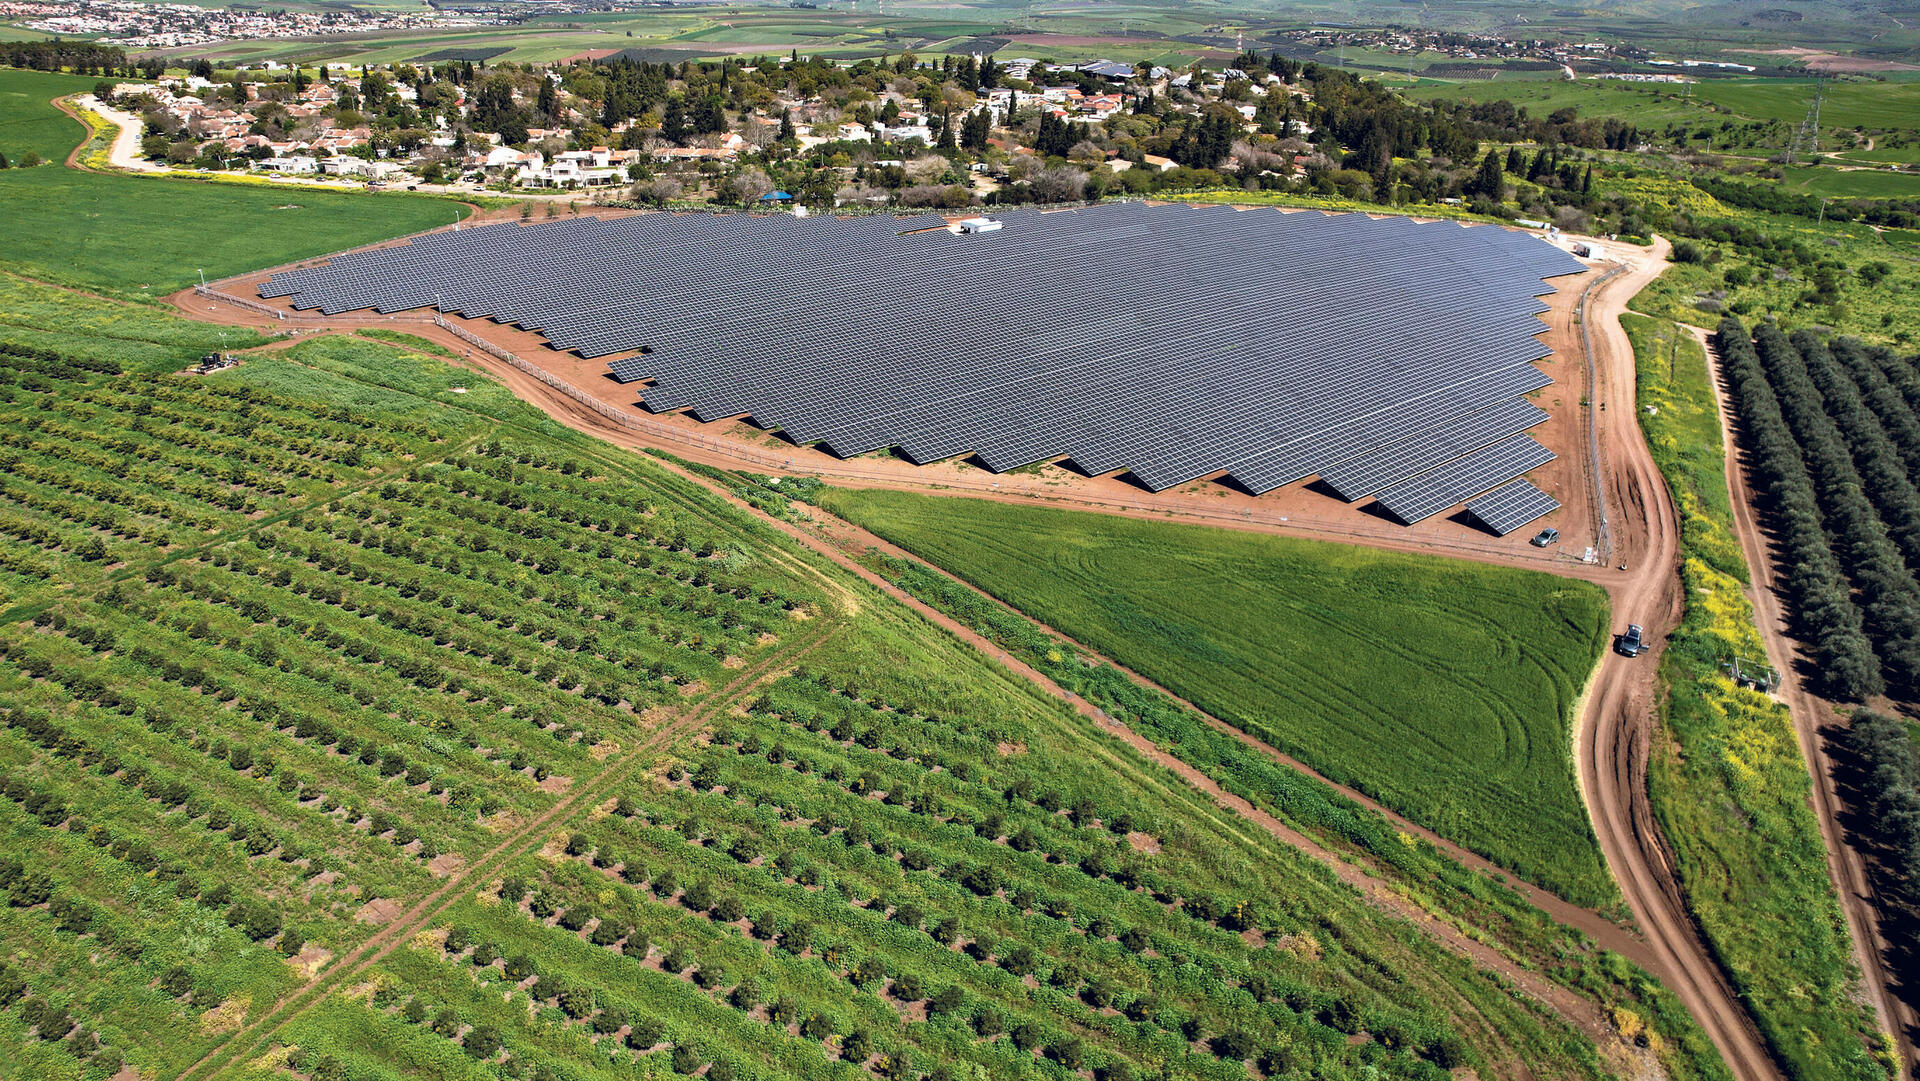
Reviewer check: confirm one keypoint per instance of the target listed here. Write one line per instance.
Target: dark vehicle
(1630, 644)
(1545, 537)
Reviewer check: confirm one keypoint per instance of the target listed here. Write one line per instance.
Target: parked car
(1545, 537)
(1632, 643)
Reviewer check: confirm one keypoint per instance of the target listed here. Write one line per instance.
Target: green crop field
(1708, 104)
(1442, 688)
(145, 236)
(28, 124)
(1861, 104)
(1645, 104)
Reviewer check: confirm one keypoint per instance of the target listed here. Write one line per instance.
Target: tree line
(1817, 589)
(59, 54)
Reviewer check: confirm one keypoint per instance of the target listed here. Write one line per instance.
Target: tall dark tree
(673, 123)
(1491, 180)
(977, 129)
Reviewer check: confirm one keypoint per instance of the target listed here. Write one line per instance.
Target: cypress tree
(1491, 181)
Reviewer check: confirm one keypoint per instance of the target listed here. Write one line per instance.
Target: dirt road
(125, 153)
(1616, 733)
(1810, 713)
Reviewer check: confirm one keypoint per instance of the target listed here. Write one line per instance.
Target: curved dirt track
(1844, 863)
(1613, 735)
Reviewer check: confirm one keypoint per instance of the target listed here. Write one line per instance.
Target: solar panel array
(1511, 506)
(1171, 341)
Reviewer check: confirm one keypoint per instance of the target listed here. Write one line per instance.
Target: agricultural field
(28, 124)
(1853, 183)
(144, 237)
(1756, 878)
(348, 697)
(1648, 105)
(1443, 689)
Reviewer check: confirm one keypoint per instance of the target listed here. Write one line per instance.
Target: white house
(292, 163)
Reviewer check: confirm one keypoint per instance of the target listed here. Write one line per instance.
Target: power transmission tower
(1807, 136)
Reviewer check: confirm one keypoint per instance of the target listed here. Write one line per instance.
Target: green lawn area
(144, 236)
(1443, 688)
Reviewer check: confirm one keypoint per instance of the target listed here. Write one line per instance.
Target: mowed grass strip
(148, 236)
(1442, 688)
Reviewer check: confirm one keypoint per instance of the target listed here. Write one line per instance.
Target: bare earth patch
(1144, 842)
(1009, 750)
(378, 913)
(310, 960)
(556, 784)
(444, 864)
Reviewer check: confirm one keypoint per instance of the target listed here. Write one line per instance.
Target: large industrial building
(1392, 359)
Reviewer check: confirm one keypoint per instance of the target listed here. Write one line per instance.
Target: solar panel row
(1511, 506)
(1172, 341)
(1428, 494)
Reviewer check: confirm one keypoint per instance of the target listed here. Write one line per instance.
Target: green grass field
(1645, 104)
(1707, 104)
(1853, 183)
(28, 124)
(1846, 104)
(1442, 688)
(145, 237)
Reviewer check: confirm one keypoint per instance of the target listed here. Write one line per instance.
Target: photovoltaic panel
(1428, 494)
(1170, 341)
(1511, 506)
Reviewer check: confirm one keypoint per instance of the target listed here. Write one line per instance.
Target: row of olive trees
(1865, 537)
(1817, 590)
